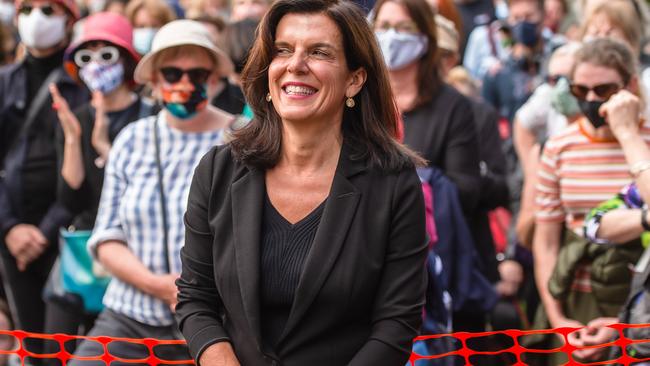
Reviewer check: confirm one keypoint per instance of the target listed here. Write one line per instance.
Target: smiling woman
(289, 257)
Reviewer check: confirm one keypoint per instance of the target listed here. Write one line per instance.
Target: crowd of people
(319, 181)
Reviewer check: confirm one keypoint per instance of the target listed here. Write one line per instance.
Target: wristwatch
(644, 222)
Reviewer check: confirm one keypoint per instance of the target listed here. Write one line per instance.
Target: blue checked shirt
(130, 209)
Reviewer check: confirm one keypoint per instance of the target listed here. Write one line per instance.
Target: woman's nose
(592, 96)
(297, 63)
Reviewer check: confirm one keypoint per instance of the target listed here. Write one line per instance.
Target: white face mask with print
(40, 31)
(401, 49)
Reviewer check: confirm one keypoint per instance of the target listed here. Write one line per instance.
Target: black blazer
(360, 297)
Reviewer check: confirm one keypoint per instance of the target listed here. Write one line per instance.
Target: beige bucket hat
(182, 32)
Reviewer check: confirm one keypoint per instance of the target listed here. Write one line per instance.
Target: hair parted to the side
(609, 53)
(369, 128)
(429, 79)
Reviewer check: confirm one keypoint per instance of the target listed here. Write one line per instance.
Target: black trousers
(112, 324)
(24, 291)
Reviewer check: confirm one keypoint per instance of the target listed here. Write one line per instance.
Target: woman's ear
(356, 82)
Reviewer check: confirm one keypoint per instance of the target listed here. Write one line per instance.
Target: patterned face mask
(185, 104)
(103, 78)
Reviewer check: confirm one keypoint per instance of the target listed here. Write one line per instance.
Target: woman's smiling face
(309, 78)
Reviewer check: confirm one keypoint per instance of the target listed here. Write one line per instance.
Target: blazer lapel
(339, 212)
(247, 202)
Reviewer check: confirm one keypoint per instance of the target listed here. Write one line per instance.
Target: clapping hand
(67, 119)
(99, 138)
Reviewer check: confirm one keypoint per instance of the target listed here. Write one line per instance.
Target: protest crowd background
(532, 115)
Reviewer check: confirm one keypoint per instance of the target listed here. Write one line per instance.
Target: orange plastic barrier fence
(514, 353)
(461, 343)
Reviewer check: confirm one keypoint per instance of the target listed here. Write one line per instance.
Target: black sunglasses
(26, 9)
(197, 75)
(603, 91)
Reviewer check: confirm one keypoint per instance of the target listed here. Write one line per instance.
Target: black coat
(360, 296)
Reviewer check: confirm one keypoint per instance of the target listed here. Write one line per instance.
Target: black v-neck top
(285, 247)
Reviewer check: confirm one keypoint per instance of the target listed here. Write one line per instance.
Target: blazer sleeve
(397, 310)
(198, 311)
(494, 192)
(461, 156)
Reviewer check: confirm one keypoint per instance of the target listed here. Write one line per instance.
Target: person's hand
(99, 139)
(512, 275)
(219, 354)
(573, 337)
(25, 243)
(595, 333)
(164, 288)
(622, 113)
(69, 123)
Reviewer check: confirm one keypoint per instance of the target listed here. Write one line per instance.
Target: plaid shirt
(130, 209)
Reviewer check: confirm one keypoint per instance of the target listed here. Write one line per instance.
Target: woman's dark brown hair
(369, 128)
(429, 80)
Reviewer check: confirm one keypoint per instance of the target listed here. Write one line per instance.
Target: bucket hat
(69, 5)
(105, 26)
(182, 33)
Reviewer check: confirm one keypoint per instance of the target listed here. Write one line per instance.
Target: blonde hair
(623, 16)
(158, 9)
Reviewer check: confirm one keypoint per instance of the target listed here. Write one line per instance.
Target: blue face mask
(103, 78)
(401, 49)
(525, 33)
(142, 38)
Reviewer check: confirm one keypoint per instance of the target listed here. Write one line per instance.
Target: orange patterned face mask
(185, 104)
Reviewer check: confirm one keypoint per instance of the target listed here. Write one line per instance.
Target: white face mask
(7, 11)
(401, 49)
(40, 31)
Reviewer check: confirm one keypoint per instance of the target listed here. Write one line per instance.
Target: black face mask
(525, 33)
(590, 110)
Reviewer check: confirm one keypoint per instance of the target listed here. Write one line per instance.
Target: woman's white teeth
(300, 90)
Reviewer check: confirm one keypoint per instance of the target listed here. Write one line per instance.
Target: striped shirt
(130, 209)
(577, 173)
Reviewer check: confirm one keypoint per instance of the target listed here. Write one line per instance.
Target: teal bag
(77, 273)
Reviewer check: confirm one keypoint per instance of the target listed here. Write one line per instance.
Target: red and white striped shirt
(577, 172)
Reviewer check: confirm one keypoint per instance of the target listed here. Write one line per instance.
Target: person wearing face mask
(29, 212)
(438, 121)
(139, 229)
(103, 59)
(581, 167)
(147, 16)
(509, 88)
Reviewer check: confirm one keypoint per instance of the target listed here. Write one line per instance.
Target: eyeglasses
(26, 9)
(401, 27)
(197, 75)
(106, 55)
(553, 79)
(603, 91)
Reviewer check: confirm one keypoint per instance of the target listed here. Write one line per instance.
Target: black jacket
(360, 297)
(14, 143)
(444, 132)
